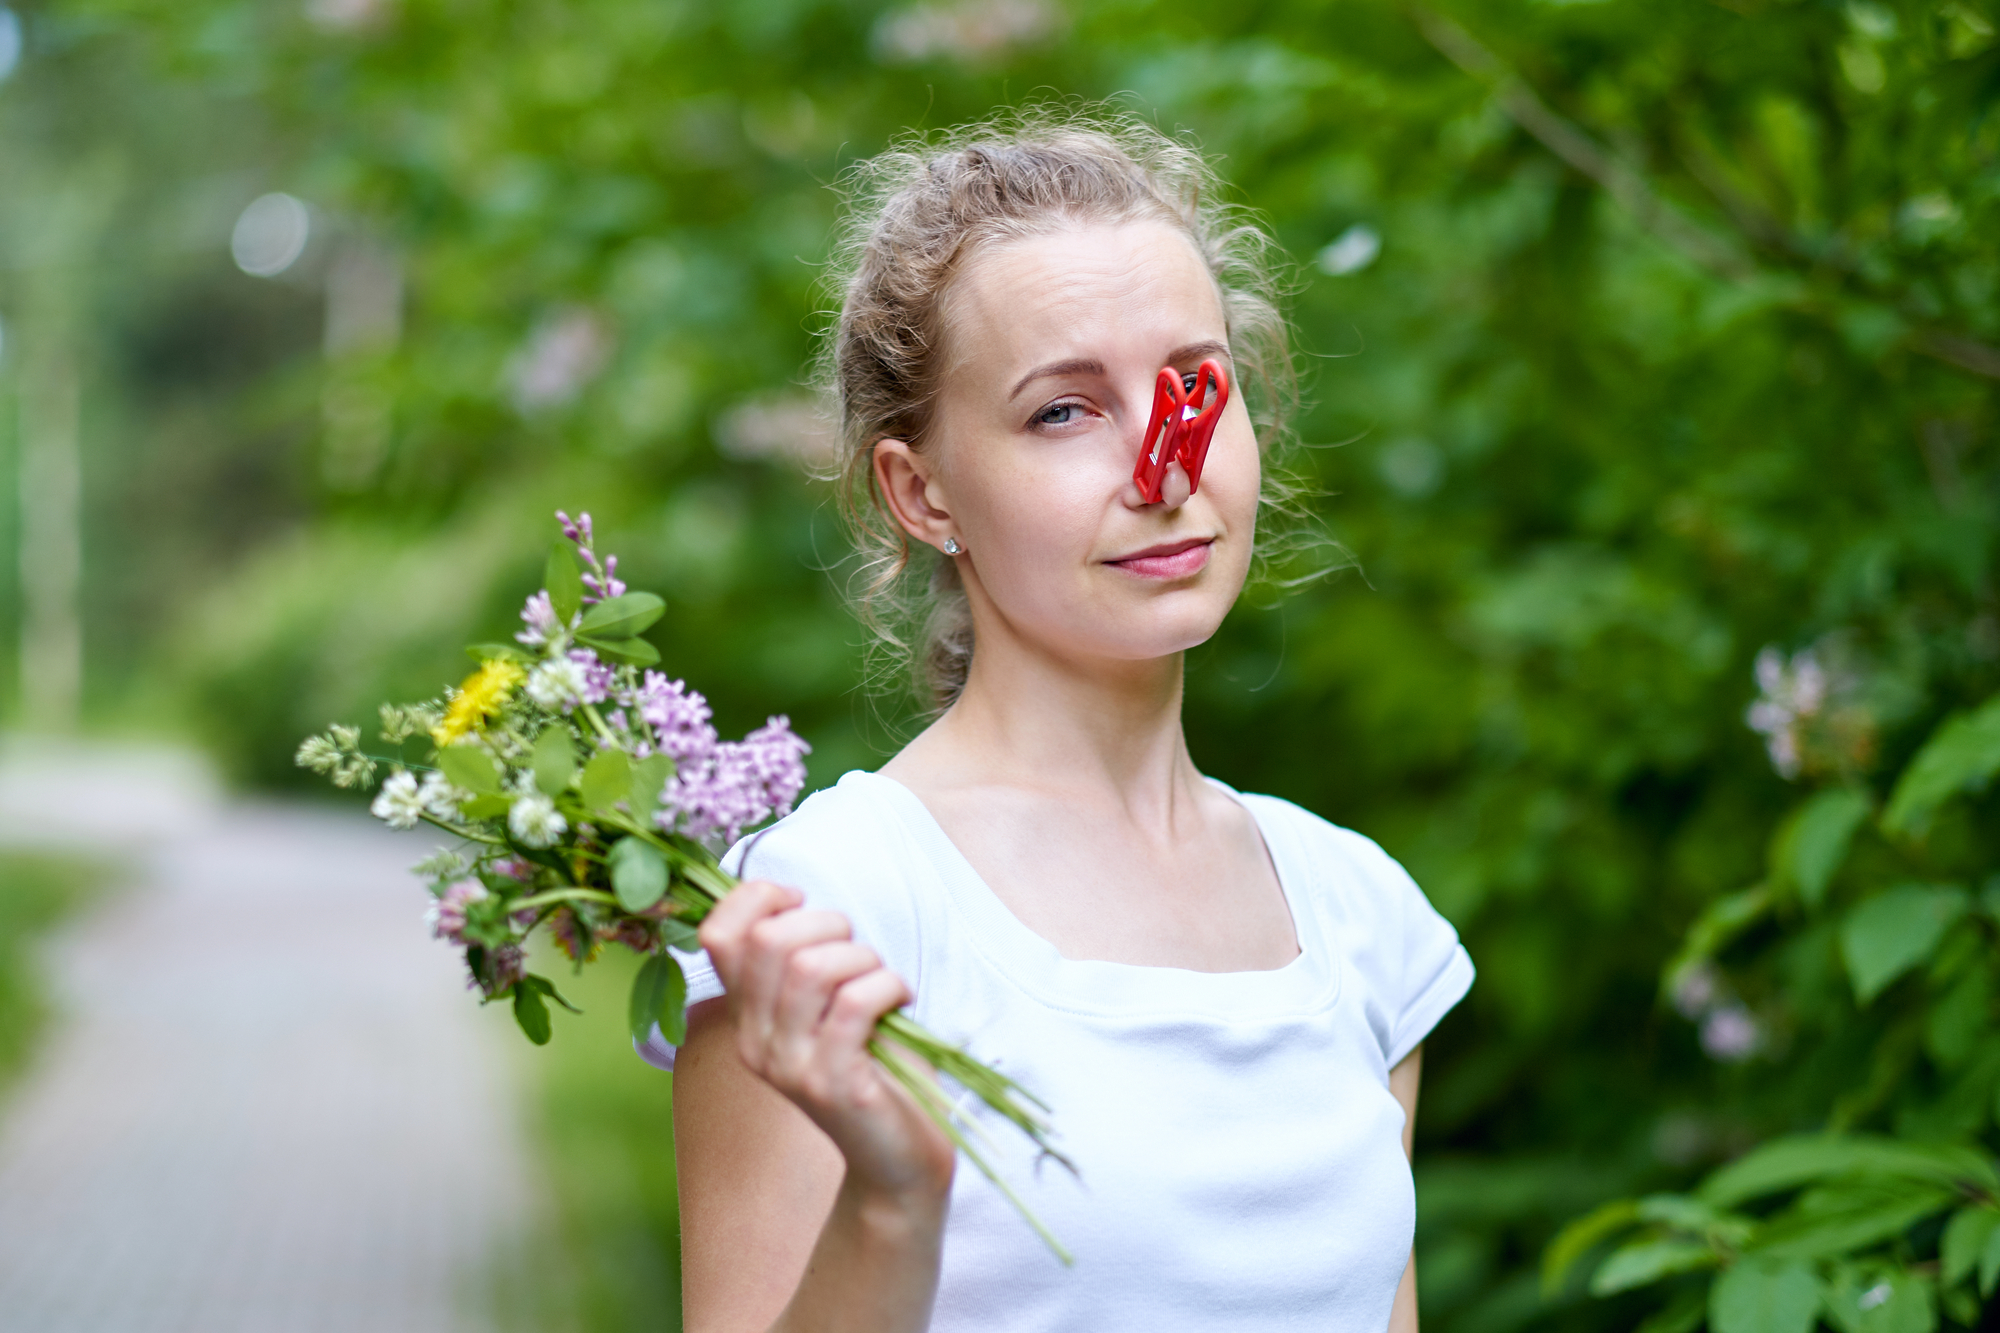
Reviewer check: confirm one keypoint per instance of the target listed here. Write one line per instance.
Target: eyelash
(1188, 382)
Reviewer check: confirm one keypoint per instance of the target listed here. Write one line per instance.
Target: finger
(722, 932)
(813, 975)
(770, 944)
(858, 1005)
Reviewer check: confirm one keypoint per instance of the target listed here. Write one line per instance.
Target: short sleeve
(1403, 954)
(1434, 971)
(834, 849)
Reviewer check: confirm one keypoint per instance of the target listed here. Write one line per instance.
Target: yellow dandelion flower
(482, 695)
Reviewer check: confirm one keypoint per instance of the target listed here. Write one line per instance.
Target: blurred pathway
(267, 1104)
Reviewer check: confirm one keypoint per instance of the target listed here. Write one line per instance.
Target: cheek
(1040, 530)
(1233, 472)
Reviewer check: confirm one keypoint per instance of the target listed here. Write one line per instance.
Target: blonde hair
(917, 212)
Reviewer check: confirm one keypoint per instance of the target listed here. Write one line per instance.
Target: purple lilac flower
(447, 914)
(513, 867)
(776, 756)
(597, 677)
(714, 794)
(678, 716)
(737, 783)
(610, 585)
(539, 615)
(600, 580)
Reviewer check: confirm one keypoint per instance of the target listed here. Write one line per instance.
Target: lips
(1170, 560)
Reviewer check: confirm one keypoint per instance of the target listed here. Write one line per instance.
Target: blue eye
(1052, 415)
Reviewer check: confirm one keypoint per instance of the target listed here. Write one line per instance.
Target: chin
(1143, 634)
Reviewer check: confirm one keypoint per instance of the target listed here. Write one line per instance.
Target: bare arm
(813, 1191)
(1403, 1081)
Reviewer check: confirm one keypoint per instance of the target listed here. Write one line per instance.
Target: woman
(1220, 996)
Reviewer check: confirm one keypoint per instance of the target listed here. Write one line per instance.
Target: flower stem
(561, 895)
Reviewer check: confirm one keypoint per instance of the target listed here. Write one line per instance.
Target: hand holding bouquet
(591, 796)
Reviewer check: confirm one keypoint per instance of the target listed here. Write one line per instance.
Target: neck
(1099, 728)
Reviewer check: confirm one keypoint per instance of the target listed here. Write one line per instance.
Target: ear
(914, 497)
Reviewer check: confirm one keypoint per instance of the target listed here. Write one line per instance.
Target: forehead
(1095, 290)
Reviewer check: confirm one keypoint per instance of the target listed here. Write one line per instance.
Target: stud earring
(951, 546)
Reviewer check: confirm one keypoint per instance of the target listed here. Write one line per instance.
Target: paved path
(268, 1104)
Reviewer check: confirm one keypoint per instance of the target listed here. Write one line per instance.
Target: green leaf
(622, 617)
(1878, 1302)
(649, 780)
(1788, 1163)
(531, 1013)
(1754, 1297)
(1961, 755)
(554, 760)
(1960, 1017)
(1845, 1219)
(1646, 1261)
(606, 780)
(1966, 1238)
(1813, 841)
(1683, 1212)
(1889, 934)
(1683, 1316)
(680, 934)
(659, 995)
(470, 768)
(1989, 1264)
(563, 582)
(486, 807)
(638, 874)
(1720, 922)
(1581, 1236)
(628, 652)
(495, 652)
(548, 988)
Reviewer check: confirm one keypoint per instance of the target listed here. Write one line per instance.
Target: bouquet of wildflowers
(590, 797)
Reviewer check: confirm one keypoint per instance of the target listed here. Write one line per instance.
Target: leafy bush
(1866, 1231)
(1643, 338)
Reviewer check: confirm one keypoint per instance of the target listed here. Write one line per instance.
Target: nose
(1175, 489)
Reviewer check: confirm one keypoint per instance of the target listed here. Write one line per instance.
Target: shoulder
(845, 848)
(837, 830)
(1351, 865)
(1406, 957)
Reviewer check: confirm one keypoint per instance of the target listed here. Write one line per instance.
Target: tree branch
(1625, 184)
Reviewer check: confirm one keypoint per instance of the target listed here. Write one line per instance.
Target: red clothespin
(1180, 427)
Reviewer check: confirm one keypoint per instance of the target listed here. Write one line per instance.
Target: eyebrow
(1084, 365)
(1074, 366)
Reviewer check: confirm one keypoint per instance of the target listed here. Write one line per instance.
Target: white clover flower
(439, 798)
(558, 684)
(535, 822)
(398, 804)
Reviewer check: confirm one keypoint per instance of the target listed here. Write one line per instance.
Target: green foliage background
(1681, 343)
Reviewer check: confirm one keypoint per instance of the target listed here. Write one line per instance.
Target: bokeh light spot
(270, 235)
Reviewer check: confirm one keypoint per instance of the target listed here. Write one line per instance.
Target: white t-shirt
(1240, 1158)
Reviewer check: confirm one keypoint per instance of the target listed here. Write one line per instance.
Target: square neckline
(1308, 982)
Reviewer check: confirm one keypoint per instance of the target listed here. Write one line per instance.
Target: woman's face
(1055, 343)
